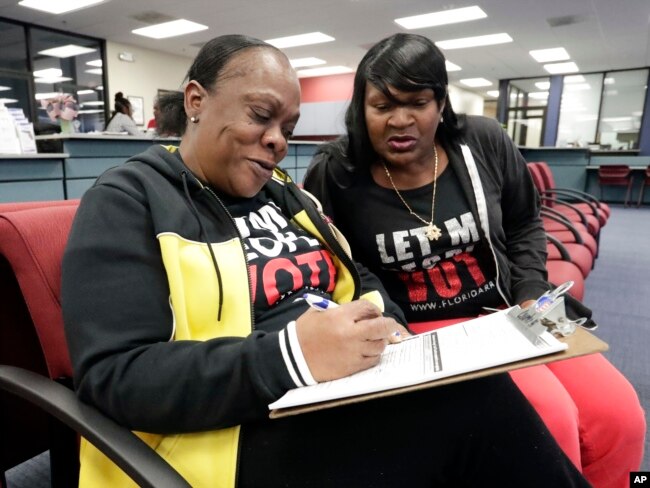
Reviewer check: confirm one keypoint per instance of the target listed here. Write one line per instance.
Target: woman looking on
(181, 294)
(442, 209)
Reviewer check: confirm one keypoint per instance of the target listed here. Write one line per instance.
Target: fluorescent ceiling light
(549, 55)
(94, 71)
(303, 62)
(475, 41)
(95, 62)
(5, 88)
(441, 18)
(543, 85)
(557, 68)
(48, 73)
(609, 81)
(451, 66)
(59, 6)
(91, 111)
(324, 71)
(52, 79)
(170, 29)
(476, 82)
(493, 93)
(45, 96)
(541, 95)
(574, 79)
(66, 51)
(100, 87)
(8, 100)
(300, 40)
(85, 92)
(92, 104)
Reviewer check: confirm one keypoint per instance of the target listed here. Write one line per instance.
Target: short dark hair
(207, 69)
(408, 62)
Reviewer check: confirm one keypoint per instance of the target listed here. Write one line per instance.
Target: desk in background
(81, 158)
(578, 168)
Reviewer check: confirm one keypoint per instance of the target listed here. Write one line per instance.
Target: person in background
(153, 123)
(182, 299)
(121, 120)
(442, 209)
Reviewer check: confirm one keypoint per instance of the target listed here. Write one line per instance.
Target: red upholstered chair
(34, 354)
(571, 211)
(646, 181)
(582, 200)
(616, 175)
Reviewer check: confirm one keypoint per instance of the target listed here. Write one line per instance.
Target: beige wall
(465, 102)
(149, 71)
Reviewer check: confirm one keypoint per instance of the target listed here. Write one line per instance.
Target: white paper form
(480, 343)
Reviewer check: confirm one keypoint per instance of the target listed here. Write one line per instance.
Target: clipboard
(580, 343)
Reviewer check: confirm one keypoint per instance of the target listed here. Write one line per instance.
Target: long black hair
(207, 69)
(407, 62)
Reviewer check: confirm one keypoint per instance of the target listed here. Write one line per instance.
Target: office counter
(26, 177)
(83, 157)
(578, 168)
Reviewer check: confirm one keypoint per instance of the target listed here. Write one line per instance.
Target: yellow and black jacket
(161, 333)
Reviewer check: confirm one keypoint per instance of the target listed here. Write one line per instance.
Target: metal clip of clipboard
(548, 313)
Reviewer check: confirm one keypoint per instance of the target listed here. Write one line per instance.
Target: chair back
(32, 241)
(614, 174)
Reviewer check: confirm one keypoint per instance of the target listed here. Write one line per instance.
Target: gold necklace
(432, 232)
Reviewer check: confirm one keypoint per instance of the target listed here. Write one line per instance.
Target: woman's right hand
(344, 340)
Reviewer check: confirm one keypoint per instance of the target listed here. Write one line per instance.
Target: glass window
(579, 110)
(622, 108)
(67, 64)
(14, 92)
(527, 111)
(13, 49)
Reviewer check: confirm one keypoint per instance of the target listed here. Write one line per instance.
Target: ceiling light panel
(465, 42)
(66, 51)
(493, 93)
(558, 68)
(59, 6)
(443, 17)
(324, 71)
(300, 40)
(550, 55)
(543, 85)
(304, 62)
(48, 73)
(170, 29)
(451, 66)
(476, 82)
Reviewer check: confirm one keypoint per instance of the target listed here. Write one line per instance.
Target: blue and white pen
(321, 303)
(318, 302)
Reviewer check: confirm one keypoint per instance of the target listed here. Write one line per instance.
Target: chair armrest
(122, 446)
(564, 254)
(576, 195)
(583, 218)
(569, 226)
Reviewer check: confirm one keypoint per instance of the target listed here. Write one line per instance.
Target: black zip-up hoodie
(161, 332)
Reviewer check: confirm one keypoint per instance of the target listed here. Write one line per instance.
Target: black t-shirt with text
(454, 276)
(284, 261)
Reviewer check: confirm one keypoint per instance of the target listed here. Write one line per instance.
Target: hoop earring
(194, 119)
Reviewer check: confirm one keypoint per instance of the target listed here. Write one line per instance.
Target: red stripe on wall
(327, 88)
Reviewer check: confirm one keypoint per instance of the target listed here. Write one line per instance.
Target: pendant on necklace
(433, 232)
